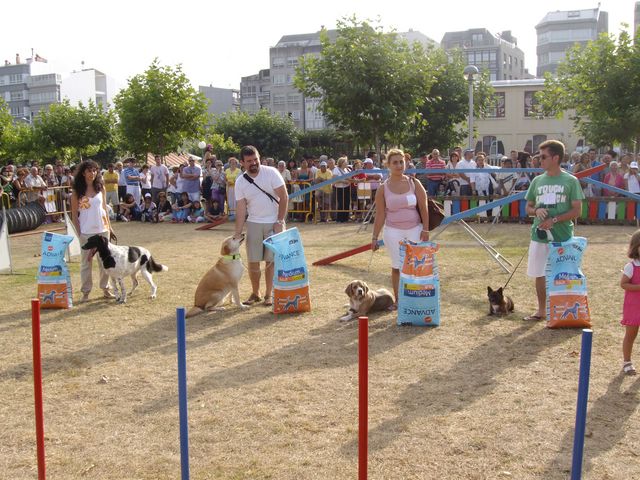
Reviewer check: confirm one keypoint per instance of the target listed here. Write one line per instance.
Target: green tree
(69, 132)
(159, 110)
(599, 85)
(368, 81)
(442, 117)
(328, 141)
(6, 122)
(273, 136)
(223, 147)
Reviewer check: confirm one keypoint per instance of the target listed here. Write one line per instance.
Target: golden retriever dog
(363, 300)
(221, 281)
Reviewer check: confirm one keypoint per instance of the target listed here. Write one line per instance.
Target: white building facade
(515, 122)
(89, 85)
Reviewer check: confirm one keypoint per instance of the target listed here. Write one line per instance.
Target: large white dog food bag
(291, 277)
(54, 281)
(567, 305)
(419, 289)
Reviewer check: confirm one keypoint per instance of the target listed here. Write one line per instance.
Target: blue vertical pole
(581, 408)
(182, 392)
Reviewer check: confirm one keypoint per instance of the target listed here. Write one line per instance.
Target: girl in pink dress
(630, 283)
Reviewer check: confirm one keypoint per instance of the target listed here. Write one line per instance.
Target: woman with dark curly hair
(89, 215)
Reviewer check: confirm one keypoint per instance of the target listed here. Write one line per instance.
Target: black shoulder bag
(250, 180)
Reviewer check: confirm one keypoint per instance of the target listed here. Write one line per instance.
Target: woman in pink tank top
(396, 210)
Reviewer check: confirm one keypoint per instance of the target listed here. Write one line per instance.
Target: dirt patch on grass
(276, 397)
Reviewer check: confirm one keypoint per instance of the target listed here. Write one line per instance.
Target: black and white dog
(119, 262)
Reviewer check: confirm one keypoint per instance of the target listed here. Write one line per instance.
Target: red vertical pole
(37, 386)
(363, 395)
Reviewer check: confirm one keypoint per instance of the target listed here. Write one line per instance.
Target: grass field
(276, 397)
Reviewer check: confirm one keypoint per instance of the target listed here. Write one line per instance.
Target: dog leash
(514, 270)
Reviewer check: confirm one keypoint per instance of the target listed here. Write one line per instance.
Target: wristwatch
(554, 220)
(281, 222)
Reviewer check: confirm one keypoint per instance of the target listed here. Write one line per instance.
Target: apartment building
(516, 123)
(498, 54)
(221, 100)
(25, 91)
(87, 85)
(558, 31)
(273, 88)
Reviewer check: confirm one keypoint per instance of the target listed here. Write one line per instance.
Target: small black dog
(499, 304)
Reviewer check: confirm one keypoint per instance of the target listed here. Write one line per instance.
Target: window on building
(17, 111)
(292, 61)
(492, 146)
(492, 77)
(278, 79)
(532, 106)
(277, 62)
(290, 77)
(294, 98)
(17, 96)
(533, 145)
(485, 56)
(279, 99)
(15, 78)
(476, 38)
(492, 56)
(295, 114)
(497, 109)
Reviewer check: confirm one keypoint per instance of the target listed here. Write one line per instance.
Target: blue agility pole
(581, 408)
(182, 392)
(620, 191)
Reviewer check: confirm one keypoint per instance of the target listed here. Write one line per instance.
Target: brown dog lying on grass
(363, 300)
(221, 281)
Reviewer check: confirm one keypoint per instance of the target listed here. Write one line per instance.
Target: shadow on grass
(470, 379)
(606, 420)
(161, 332)
(333, 345)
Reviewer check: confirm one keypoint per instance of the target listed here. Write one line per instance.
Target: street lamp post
(470, 71)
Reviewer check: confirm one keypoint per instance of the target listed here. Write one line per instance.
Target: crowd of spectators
(202, 192)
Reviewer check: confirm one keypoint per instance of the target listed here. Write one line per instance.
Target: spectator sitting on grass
(182, 209)
(215, 212)
(148, 209)
(164, 207)
(129, 209)
(197, 213)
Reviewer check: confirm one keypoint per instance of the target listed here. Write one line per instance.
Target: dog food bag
(291, 277)
(54, 280)
(419, 289)
(567, 305)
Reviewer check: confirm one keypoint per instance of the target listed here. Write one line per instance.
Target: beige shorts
(112, 198)
(537, 262)
(256, 233)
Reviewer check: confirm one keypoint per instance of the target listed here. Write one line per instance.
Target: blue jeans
(432, 187)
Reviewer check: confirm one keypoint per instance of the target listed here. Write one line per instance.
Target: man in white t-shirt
(261, 198)
(465, 178)
(631, 178)
(159, 179)
(36, 184)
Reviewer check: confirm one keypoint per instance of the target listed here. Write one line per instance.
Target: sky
(219, 42)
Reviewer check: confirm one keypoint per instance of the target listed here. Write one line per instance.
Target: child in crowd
(197, 213)
(630, 283)
(215, 212)
(148, 210)
(182, 209)
(129, 209)
(164, 208)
